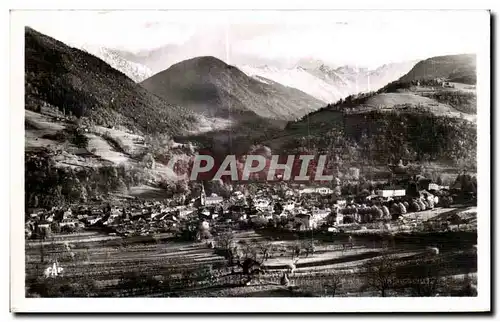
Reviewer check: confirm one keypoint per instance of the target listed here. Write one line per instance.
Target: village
(292, 207)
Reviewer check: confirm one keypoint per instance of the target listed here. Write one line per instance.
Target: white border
(21, 304)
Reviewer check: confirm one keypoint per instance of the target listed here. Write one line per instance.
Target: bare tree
(334, 284)
(250, 257)
(380, 274)
(247, 256)
(468, 288)
(265, 249)
(225, 241)
(309, 247)
(426, 278)
(296, 251)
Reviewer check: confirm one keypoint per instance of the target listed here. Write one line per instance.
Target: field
(102, 265)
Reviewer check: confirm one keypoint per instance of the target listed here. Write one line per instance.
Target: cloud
(120, 29)
(361, 38)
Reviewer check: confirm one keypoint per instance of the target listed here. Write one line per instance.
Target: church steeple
(203, 196)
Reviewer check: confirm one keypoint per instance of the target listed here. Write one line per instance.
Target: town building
(391, 192)
(320, 190)
(289, 205)
(212, 200)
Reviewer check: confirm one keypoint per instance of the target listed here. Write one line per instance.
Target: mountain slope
(454, 68)
(331, 84)
(85, 86)
(418, 121)
(210, 86)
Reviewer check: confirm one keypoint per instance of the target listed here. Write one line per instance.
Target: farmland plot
(114, 268)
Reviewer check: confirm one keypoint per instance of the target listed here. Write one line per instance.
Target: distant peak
(324, 68)
(204, 61)
(309, 63)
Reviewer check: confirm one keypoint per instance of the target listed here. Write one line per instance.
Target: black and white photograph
(202, 155)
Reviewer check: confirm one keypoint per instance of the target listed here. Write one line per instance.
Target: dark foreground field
(100, 266)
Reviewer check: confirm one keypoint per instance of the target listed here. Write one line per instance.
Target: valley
(102, 204)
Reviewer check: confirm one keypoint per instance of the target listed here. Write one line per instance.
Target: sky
(359, 38)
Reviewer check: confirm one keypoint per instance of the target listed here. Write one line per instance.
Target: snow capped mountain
(135, 71)
(299, 78)
(330, 84)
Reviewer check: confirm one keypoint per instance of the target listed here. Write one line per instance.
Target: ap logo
(53, 271)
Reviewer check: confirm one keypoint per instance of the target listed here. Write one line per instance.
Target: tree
(249, 257)
(380, 274)
(455, 219)
(55, 228)
(309, 247)
(334, 284)
(68, 229)
(225, 241)
(259, 222)
(296, 251)
(467, 289)
(426, 277)
(265, 249)
(278, 208)
(203, 233)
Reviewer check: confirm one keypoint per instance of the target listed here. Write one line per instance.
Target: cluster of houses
(295, 208)
(134, 218)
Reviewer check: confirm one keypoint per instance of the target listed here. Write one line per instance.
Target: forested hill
(415, 119)
(453, 68)
(212, 87)
(85, 86)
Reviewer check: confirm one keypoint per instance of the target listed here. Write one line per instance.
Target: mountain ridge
(222, 88)
(329, 84)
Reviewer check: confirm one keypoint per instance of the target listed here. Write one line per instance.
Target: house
(155, 215)
(96, 212)
(92, 220)
(341, 202)
(115, 212)
(436, 187)
(312, 219)
(304, 222)
(319, 190)
(324, 191)
(209, 201)
(289, 205)
(35, 214)
(391, 192)
(238, 195)
(205, 212)
(339, 219)
(213, 200)
(67, 214)
(261, 203)
(267, 215)
(68, 222)
(43, 228)
(44, 225)
(184, 212)
(307, 191)
(319, 215)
